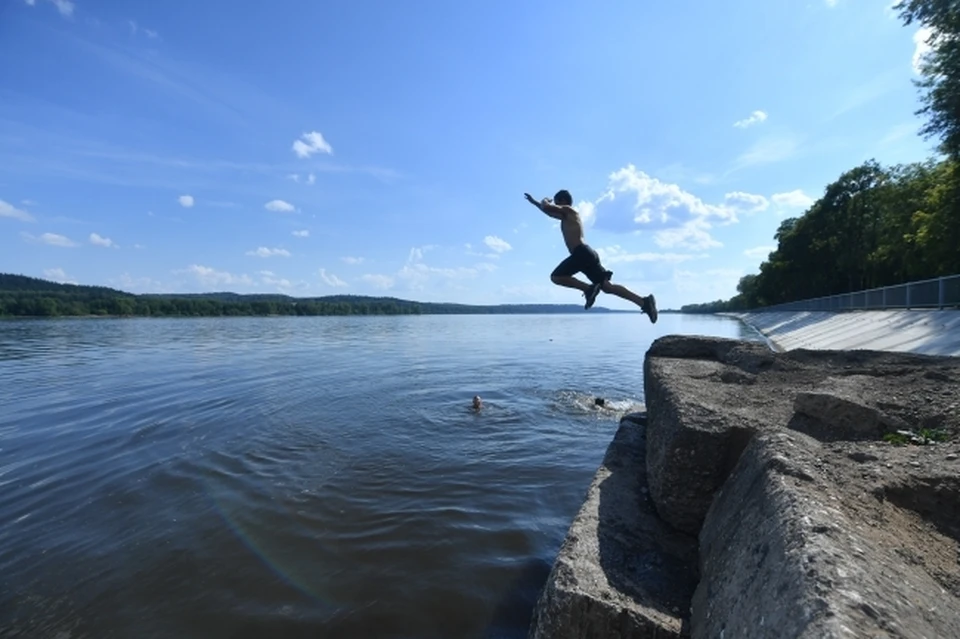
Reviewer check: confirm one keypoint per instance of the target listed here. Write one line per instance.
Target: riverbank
(924, 332)
(824, 478)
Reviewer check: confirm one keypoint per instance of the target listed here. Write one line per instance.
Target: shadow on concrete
(641, 556)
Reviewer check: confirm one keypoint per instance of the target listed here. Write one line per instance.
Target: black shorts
(583, 260)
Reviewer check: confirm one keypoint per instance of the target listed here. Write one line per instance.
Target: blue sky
(383, 148)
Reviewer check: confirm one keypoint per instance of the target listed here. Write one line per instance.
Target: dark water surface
(301, 477)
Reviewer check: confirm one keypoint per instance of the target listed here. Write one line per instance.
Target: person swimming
(477, 402)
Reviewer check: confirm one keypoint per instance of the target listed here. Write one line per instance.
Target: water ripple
(299, 477)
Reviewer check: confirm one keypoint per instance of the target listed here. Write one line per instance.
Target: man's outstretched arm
(547, 207)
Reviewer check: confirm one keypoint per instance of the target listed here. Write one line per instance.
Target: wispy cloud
(614, 254)
(98, 240)
(831, 3)
(59, 275)
(767, 150)
(279, 206)
(330, 279)
(497, 244)
(208, 276)
(9, 210)
(922, 46)
(303, 233)
(759, 251)
(186, 201)
(352, 260)
(757, 117)
(263, 251)
(310, 143)
(309, 179)
(377, 280)
(51, 239)
(65, 7)
(792, 199)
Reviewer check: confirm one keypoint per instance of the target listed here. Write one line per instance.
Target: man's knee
(555, 278)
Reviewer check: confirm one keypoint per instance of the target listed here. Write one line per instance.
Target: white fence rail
(942, 292)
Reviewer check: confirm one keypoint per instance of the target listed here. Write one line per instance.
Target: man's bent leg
(647, 304)
(569, 281)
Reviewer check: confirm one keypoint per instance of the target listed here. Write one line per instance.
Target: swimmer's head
(599, 401)
(477, 402)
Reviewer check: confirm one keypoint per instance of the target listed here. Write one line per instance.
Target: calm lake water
(302, 477)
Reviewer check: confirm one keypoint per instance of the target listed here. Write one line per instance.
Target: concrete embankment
(770, 494)
(926, 332)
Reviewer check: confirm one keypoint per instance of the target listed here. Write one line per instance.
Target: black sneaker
(649, 307)
(591, 294)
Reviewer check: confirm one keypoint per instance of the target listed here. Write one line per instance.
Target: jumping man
(583, 259)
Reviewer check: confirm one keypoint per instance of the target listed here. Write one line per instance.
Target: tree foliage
(939, 22)
(22, 296)
(874, 226)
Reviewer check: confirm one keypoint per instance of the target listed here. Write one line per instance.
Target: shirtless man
(583, 259)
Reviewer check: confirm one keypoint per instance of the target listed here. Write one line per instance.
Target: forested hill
(27, 296)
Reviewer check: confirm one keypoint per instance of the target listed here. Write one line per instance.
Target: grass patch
(925, 437)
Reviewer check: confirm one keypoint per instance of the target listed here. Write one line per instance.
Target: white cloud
(378, 281)
(650, 201)
(30, 2)
(263, 251)
(9, 210)
(831, 3)
(792, 199)
(746, 202)
(268, 278)
(150, 33)
(310, 143)
(102, 241)
(65, 7)
(756, 117)
(588, 214)
(692, 235)
(330, 279)
(50, 238)
(615, 254)
(921, 41)
(418, 274)
(279, 206)
(303, 233)
(186, 201)
(416, 253)
(310, 179)
(58, 275)
(760, 251)
(496, 244)
(352, 260)
(208, 276)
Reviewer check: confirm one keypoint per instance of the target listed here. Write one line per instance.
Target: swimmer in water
(477, 402)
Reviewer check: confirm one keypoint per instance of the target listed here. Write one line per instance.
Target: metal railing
(941, 292)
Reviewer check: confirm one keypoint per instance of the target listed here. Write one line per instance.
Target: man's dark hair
(563, 198)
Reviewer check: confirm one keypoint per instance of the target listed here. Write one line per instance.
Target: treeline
(877, 225)
(22, 296)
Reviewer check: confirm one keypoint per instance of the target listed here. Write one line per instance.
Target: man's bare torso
(572, 228)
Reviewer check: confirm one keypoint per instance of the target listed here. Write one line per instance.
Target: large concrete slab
(909, 331)
(824, 541)
(621, 572)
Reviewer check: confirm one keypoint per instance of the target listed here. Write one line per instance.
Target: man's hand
(530, 199)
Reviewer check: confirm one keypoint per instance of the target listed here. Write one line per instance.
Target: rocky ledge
(798, 494)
